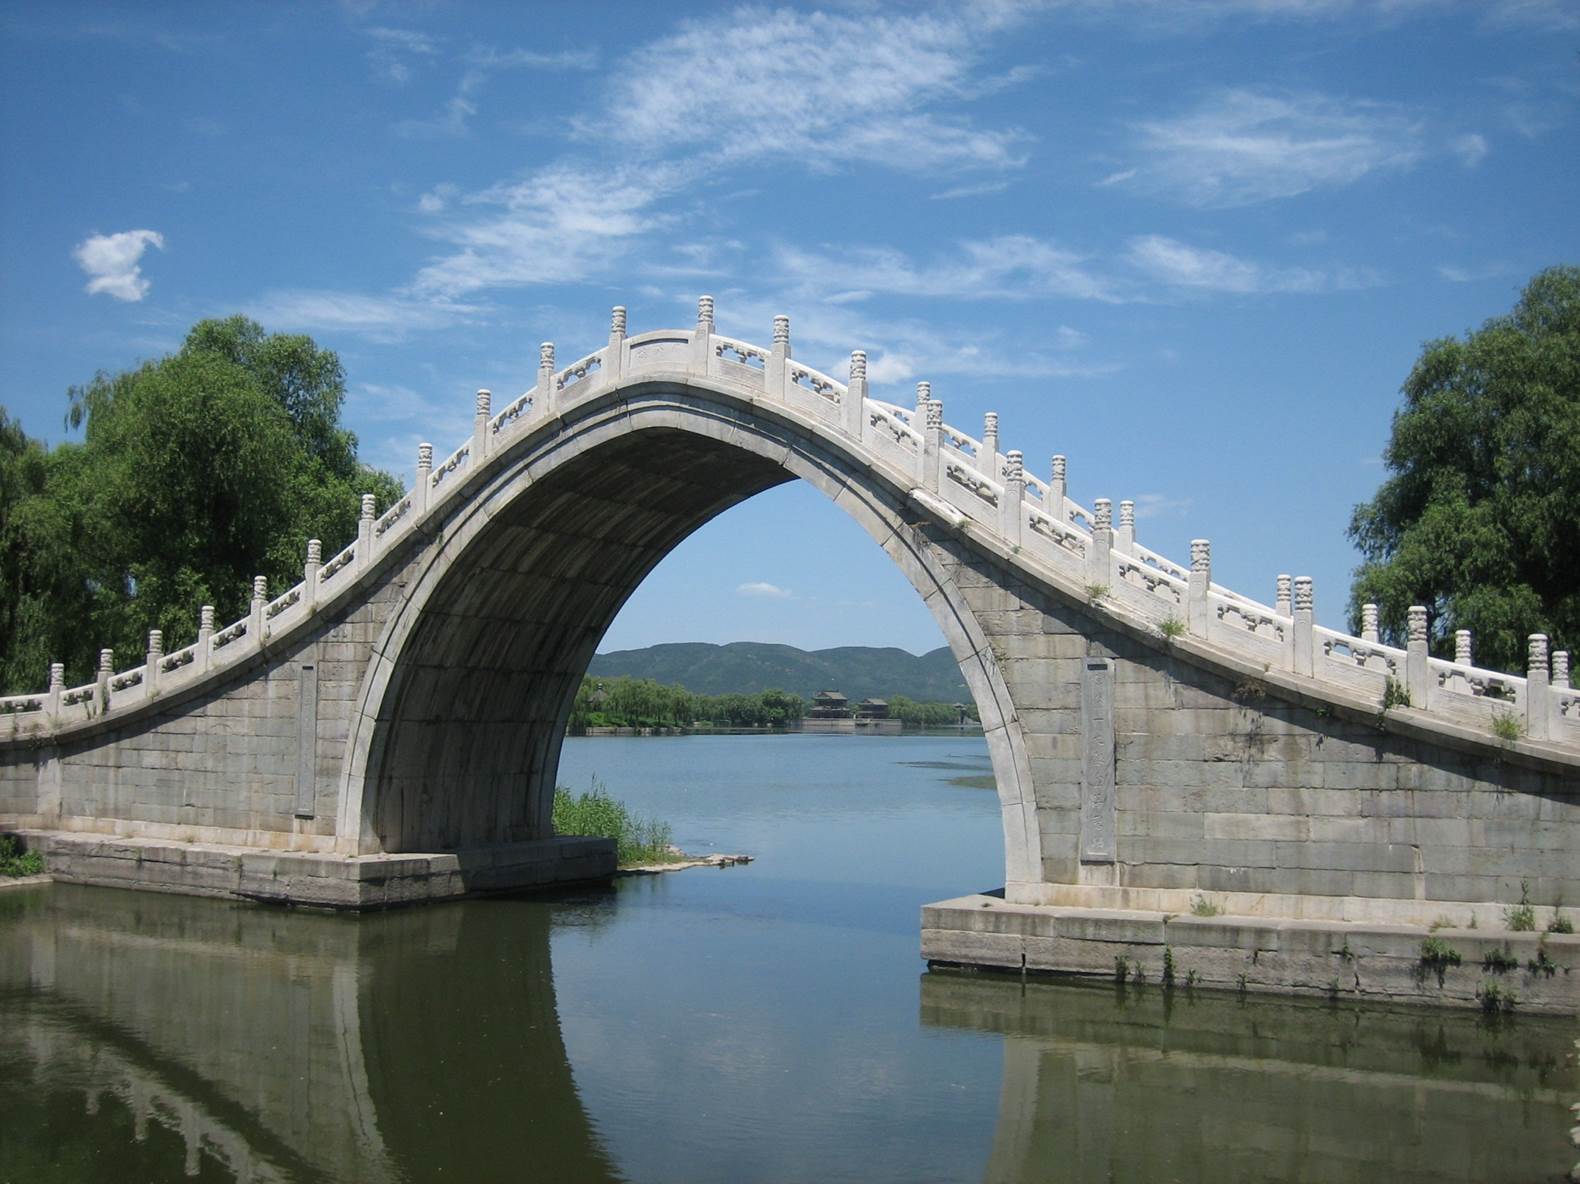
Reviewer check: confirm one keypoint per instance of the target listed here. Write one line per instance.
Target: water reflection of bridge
(286, 1047)
(291, 1047)
(1116, 1084)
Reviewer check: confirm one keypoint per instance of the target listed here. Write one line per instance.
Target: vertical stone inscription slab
(1098, 821)
(307, 741)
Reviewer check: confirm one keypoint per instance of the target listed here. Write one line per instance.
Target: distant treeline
(623, 702)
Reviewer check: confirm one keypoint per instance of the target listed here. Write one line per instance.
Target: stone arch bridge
(389, 729)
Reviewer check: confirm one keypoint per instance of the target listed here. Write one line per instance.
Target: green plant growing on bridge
(1437, 956)
(1095, 592)
(1171, 628)
(1506, 726)
(1560, 923)
(1500, 961)
(1200, 906)
(1521, 917)
(16, 863)
(1543, 962)
(1495, 1000)
(1395, 694)
(1168, 968)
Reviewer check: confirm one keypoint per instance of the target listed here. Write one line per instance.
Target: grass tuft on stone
(15, 863)
(637, 839)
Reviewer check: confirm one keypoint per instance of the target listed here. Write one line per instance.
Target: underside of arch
(478, 708)
(458, 738)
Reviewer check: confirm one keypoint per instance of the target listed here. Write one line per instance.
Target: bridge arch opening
(456, 736)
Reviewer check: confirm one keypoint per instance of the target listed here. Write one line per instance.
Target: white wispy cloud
(437, 198)
(111, 262)
(827, 88)
(900, 350)
(763, 590)
(981, 189)
(1179, 265)
(1238, 147)
(1159, 505)
(1456, 273)
(380, 317)
(1007, 267)
(394, 52)
(482, 62)
(558, 224)
(1471, 148)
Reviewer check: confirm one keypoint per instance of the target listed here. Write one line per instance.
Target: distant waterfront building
(829, 705)
(872, 715)
(830, 712)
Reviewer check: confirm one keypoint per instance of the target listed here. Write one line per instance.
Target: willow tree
(1479, 519)
(195, 473)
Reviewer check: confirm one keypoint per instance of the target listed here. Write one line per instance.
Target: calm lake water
(770, 1022)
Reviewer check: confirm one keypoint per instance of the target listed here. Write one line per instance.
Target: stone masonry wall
(1223, 790)
(223, 767)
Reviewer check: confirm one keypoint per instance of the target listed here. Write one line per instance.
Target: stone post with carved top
(1196, 588)
(1011, 504)
(1416, 665)
(853, 412)
(1538, 708)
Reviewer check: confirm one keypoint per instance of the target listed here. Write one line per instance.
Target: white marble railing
(955, 476)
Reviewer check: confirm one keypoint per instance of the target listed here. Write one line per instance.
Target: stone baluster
(1056, 487)
(853, 411)
(924, 396)
(1304, 647)
(776, 371)
(1537, 682)
(57, 685)
(1416, 668)
(1462, 652)
(1098, 554)
(931, 412)
(205, 637)
(1283, 595)
(1196, 614)
(1371, 632)
(1561, 669)
(156, 651)
(365, 530)
(422, 490)
(1125, 536)
(106, 669)
(1010, 506)
(260, 597)
(481, 432)
(703, 359)
(988, 461)
(546, 396)
(315, 560)
(614, 356)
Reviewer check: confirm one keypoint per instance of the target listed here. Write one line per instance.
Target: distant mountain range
(858, 672)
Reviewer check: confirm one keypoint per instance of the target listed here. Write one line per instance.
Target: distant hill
(747, 667)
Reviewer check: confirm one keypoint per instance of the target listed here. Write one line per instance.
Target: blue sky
(1195, 247)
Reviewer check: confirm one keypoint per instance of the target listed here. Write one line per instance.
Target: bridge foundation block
(325, 881)
(1497, 970)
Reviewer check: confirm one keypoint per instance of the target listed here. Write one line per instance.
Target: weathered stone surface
(1326, 959)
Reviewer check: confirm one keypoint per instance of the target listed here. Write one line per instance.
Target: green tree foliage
(1480, 518)
(624, 702)
(927, 715)
(195, 473)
